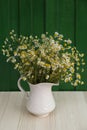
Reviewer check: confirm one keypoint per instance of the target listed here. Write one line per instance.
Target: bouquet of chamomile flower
(49, 58)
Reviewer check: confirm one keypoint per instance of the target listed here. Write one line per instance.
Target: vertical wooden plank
(60, 18)
(13, 15)
(66, 18)
(9, 20)
(37, 17)
(52, 16)
(4, 26)
(13, 24)
(25, 11)
(67, 28)
(81, 35)
(52, 21)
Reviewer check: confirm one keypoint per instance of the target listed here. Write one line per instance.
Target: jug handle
(20, 87)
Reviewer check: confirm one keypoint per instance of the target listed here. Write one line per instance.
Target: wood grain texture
(70, 112)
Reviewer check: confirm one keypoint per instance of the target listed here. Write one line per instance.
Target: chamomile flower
(50, 58)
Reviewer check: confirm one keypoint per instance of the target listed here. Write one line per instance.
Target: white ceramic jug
(40, 100)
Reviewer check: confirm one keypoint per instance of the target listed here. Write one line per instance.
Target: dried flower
(46, 59)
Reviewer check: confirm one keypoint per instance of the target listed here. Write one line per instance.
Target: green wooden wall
(68, 17)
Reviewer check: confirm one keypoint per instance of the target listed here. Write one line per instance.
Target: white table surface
(70, 112)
